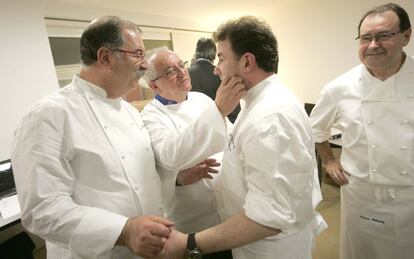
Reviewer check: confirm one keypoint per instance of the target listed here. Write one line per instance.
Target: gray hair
(205, 48)
(151, 55)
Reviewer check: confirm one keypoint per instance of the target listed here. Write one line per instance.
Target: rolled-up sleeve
(279, 174)
(323, 117)
(178, 150)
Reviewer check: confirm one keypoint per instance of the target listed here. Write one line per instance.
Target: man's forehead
(133, 39)
(224, 48)
(380, 21)
(167, 58)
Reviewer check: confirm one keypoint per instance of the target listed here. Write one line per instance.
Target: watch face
(195, 254)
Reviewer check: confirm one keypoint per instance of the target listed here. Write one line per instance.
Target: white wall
(317, 43)
(183, 41)
(26, 65)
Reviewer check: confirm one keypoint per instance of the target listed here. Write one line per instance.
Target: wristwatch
(192, 251)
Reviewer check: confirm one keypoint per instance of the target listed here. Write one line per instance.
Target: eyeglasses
(172, 71)
(379, 37)
(136, 54)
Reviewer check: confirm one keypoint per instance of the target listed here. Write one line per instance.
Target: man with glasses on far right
(373, 105)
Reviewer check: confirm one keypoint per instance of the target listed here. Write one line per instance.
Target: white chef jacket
(269, 171)
(183, 135)
(368, 111)
(377, 122)
(83, 164)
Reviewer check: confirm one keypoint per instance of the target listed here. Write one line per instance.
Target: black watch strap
(191, 242)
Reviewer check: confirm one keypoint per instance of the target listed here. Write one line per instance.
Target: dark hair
(398, 10)
(103, 32)
(248, 34)
(205, 48)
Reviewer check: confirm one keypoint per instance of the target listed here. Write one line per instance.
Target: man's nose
(216, 71)
(373, 43)
(144, 64)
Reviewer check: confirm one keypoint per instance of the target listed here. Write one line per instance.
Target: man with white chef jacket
(82, 158)
(373, 105)
(186, 128)
(268, 187)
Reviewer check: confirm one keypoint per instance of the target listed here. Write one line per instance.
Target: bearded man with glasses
(373, 105)
(82, 158)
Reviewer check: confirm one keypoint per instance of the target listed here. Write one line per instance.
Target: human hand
(198, 172)
(334, 169)
(145, 236)
(175, 246)
(228, 95)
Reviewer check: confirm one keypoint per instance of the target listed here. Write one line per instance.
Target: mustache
(140, 72)
(375, 51)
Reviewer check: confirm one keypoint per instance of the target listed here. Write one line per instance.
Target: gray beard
(140, 73)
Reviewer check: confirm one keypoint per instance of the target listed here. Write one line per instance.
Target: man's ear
(249, 61)
(154, 87)
(407, 36)
(103, 56)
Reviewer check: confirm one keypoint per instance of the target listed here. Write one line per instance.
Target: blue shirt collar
(164, 100)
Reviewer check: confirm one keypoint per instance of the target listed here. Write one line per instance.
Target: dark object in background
(20, 246)
(7, 186)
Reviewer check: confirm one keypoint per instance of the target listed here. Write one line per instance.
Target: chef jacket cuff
(263, 210)
(213, 117)
(321, 136)
(97, 233)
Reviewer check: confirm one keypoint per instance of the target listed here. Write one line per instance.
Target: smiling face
(173, 80)
(382, 57)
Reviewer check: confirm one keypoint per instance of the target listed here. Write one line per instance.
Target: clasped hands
(153, 236)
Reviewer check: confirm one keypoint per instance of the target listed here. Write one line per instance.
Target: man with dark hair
(372, 104)
(82, 158)
(268, 187)
(202, 74)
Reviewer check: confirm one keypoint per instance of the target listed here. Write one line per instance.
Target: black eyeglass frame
(378, 37)
(139, 54)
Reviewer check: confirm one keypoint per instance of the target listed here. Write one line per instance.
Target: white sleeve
(323, 117)
(279, 171)
(44, 185)
(175, 150)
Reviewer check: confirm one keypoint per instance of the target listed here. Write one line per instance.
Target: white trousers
(377, 221)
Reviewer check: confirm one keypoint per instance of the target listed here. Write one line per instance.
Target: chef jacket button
(404, 148)
(375, 170)
(105, 127)
(123, 157)
(147, 149)
(373, 146)
(132, 124)
(410, 95)
(405, 121)
(403, 172)
(370, 122)
(90, 98)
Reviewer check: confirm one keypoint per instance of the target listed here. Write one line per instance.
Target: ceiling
(202, 9)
